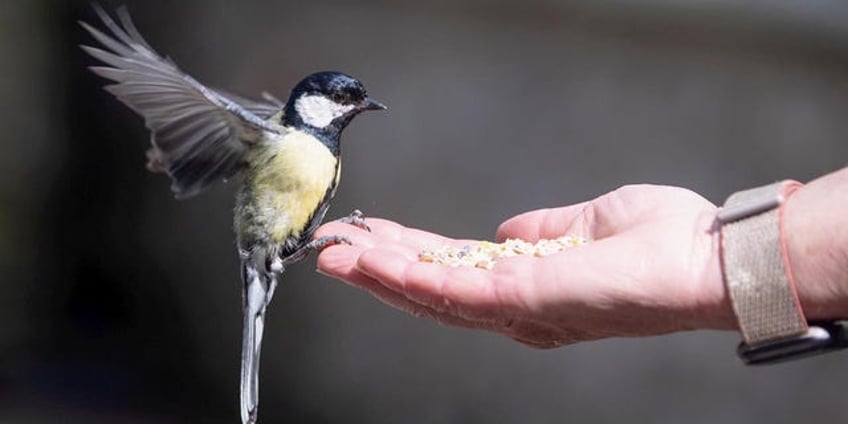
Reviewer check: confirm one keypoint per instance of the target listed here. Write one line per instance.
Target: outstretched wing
(263, 109)
(199, 136)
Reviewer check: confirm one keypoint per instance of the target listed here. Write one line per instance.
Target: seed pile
(485, 254)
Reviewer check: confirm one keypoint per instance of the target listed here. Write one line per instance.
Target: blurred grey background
(119, 304)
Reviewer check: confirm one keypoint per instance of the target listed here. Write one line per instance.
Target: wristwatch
(760, 284)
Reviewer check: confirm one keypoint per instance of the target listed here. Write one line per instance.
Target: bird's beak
(371, 104)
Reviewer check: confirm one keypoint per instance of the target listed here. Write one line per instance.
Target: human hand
(651, 267)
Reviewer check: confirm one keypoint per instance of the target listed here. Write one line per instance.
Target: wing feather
(263, 109)
(199, 135)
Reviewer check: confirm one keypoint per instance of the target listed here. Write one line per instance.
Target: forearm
(816, 231)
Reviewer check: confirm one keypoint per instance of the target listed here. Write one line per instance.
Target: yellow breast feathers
(290, 181)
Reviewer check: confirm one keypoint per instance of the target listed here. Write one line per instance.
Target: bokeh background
(119, 304)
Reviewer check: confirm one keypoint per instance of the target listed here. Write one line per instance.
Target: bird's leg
(316, 244)
(357, 219)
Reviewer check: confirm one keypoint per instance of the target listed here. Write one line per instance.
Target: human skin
(652, 267)
(816, 225)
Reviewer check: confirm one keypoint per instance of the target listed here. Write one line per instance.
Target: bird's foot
(322, 242)
(357, 219)
(317, 244)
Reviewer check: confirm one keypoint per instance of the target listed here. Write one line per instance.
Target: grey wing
(263, 109)
(199, 136)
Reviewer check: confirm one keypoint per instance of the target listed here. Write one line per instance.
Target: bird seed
(485, 254)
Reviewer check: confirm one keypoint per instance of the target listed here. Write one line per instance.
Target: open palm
(651, 267)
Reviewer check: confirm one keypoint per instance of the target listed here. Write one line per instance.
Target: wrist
(714, 307)
(817, 246)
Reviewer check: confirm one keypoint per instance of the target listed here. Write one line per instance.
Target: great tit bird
(288, 154)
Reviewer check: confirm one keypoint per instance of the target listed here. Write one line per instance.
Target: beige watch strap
(755, 271)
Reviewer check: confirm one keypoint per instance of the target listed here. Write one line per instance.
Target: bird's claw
(357, 219)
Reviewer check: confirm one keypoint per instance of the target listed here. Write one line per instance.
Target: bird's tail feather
(258, 288)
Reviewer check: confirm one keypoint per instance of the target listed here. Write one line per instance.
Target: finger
(352, 232)
(464, 293)
(544, 224)
(385, 231)
(339, 261)
(341, 269)
(401, 302)
(336, 263)
(459, 296)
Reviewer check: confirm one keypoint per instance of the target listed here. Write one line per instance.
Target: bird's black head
(325, 102)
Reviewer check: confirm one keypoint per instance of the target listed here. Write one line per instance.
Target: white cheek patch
(319, 111)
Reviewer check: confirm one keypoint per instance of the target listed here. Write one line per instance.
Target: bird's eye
(338, 97)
